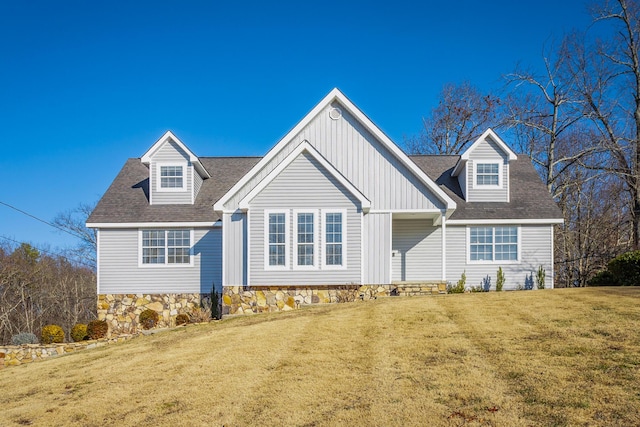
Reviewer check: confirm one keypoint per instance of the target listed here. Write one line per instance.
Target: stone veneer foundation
(121, 311)
(259, 299)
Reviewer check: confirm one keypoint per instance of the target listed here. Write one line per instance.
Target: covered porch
(418, 247)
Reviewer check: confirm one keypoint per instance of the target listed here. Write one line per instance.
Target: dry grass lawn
(561, 357)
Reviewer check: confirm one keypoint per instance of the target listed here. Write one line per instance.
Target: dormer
(483, 169)
(175, 173)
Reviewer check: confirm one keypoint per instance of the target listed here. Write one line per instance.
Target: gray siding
(304, 184)
(361, 158)
(535, 249)
(417, 250)
(235, 256)
(120, 273)
(487, 151)
(170, 152)
(197, 184)
(376, 247)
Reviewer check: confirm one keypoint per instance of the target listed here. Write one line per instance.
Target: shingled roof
(528, 197)
(127, 199)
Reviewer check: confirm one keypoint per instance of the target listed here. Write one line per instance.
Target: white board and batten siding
(360, 158)
(305, 185)
(486, 152)
(235, 249)
(120, 272)
(536, 248)
(171, 153)
(416, 250)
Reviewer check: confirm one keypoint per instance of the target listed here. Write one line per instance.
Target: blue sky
(86, 85)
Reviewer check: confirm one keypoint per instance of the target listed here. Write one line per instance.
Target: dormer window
(171, 177)
(488, 175)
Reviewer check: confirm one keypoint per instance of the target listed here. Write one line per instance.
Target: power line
(49, 252)
(41, 220)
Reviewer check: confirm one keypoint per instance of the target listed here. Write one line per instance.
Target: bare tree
(73, 221)
(461, 116)
(607, 76)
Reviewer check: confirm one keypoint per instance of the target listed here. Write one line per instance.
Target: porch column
(444, 245)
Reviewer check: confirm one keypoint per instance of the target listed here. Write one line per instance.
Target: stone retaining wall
(259, 299)
(121, 311)
(13, 355)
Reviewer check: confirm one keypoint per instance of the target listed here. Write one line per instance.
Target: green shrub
(625, 269)
(540, 276)
(24, 338)
(52, 334)
(603, 278)
(500, 280)
(79, 332)
(149, 319)
(215, 303)
(182, 319)
(97, 329)
(458, 288)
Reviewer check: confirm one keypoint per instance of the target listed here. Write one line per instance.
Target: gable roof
(529, 199)
(146, 157)
(305, 147)
(489, 133)
(337, 95)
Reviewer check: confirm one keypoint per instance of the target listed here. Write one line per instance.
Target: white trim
(146, 157)
(304, 146)
(224, 252)
(215, 224)
(248, 249)
(336, 95)
(287, 239)
(323, 262)
(553, 259)
(494, 261)
(444, 246)
(166, 255)
(390, 216)
(158, 177)
(505, 221)
(499, 163)
(362, 248)
(489, 133)
(401, 211)
(316, 239)
(98, 261)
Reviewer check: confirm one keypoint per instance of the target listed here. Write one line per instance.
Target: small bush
(201, 315)
(97, 329)
(603, 278)
(182, 319)
(52, 334)
(500, 279)
(540, 276)
(458, 288)
(149, 319)
(625, 269)
(79, 332)
(486, 284)
(216, 313)
(478, 288)
(528, 282)
(24, 338)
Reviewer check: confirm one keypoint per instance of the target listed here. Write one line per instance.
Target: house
(334, 211)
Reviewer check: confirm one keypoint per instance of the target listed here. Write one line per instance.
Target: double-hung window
(305, 242)
(334, 238)
(165, 247)
(488, 174)
(171, 177)
(277, 239)
(493, 244)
